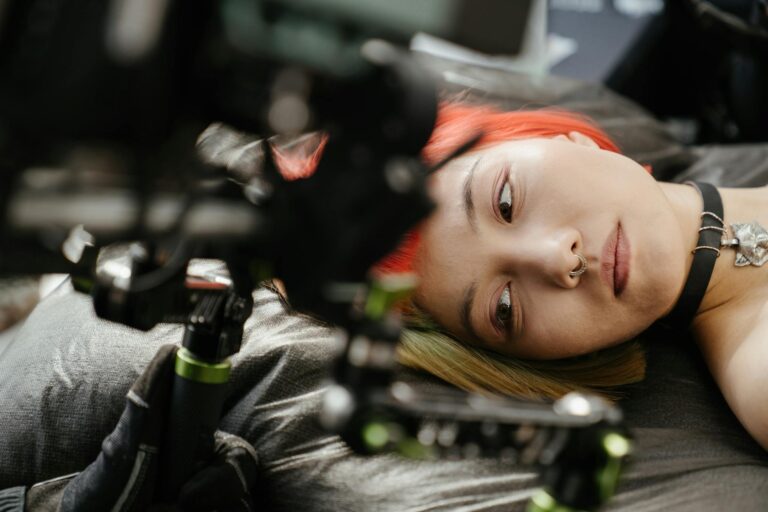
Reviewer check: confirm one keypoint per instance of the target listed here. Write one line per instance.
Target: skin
(569, 197)
(731, 326)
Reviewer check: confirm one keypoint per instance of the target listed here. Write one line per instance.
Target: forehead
(516, 150)
(447, 186)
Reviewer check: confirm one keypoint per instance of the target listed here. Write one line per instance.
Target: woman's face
(496, 254)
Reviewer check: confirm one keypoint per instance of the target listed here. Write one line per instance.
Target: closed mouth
(621, 262)
(614, 264)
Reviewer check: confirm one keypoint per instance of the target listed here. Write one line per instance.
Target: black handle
(199, 390)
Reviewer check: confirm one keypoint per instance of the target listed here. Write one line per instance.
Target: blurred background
(698, 65)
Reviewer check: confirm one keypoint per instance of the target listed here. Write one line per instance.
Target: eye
(504, 309)
(505, 202)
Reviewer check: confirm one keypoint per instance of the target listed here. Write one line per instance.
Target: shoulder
(735, 347)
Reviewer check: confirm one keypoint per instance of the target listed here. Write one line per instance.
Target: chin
(658, 278)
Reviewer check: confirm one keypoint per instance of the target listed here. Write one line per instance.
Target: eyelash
(503, 313)
(505, 200)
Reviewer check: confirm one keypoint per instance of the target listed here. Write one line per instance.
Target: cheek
(570, 324)
(559, 325)
(436, 290)
(661, 266)
(655, 292)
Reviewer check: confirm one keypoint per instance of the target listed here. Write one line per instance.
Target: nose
(553, 256)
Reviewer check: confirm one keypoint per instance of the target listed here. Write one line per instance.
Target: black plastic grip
(193, 418)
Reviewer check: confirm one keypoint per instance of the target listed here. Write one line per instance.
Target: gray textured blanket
(64, 374)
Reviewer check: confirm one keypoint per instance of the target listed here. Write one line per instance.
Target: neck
(729, 284)
(687, 205)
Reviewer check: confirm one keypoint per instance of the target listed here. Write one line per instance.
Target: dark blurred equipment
(745, 64)
(728, 42)
(701, 64)
(223, 484)
(101, 104)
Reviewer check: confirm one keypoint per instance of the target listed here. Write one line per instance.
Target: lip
(614, 264)
(621, 267)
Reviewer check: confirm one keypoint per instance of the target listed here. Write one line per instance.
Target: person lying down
(549, 252)
(548, 244)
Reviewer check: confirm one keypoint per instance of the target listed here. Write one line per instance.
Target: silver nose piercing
(582, 266)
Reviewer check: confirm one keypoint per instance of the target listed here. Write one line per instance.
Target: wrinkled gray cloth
(737, 165)
(64, 375)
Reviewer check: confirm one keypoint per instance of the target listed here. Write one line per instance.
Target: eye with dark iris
(504, 308)
(505, 202)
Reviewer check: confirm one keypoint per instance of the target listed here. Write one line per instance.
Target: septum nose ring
(582, 266)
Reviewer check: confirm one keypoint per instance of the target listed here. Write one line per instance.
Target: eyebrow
(469, 204)
(465, 310)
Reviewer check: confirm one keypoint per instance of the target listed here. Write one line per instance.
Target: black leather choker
(704, 255)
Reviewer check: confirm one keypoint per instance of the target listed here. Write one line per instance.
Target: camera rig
(129, 86)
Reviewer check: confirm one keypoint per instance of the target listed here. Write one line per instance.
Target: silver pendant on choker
(751, 244)
(749, 240)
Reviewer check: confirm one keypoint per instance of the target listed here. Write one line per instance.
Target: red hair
(456, 124)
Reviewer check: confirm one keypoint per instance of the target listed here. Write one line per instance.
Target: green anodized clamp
(616, 446)
(542, 501)
(379, 435)
(385, 292)
(82, 284)
(194, 369)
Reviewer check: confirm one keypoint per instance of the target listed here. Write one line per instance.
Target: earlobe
(582, 140)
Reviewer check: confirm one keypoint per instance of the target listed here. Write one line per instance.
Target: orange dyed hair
(457, 122)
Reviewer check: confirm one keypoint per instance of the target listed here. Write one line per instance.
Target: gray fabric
(46, 496)
(12, 500)
(66, 372)
(62, 381)
(691, 453)
(75, 369)
(738, 165)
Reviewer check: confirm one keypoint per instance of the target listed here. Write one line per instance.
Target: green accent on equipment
(191, 368)
(376, 436)
(387, 290)
(413, 449)
(260, 270)
(616, 444)
(616, 447)
(542, 501)
(82, 284)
